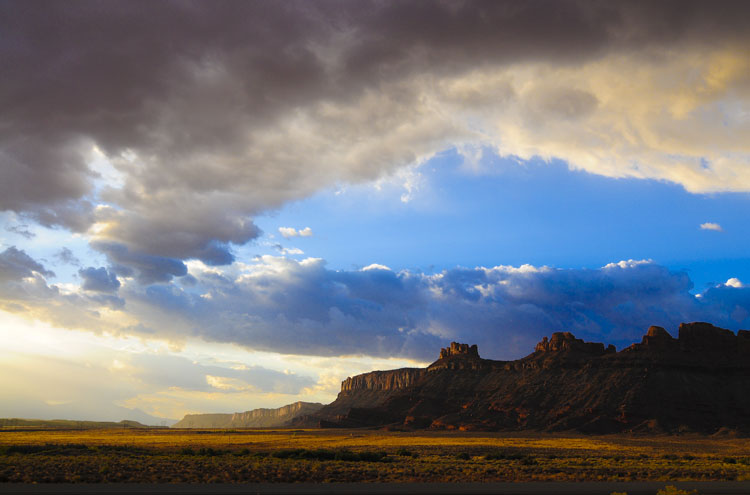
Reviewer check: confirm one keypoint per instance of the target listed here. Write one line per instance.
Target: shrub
(673, 490)
(330, 455)
(463, 456)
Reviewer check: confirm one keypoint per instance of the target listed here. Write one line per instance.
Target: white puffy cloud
(375, 266)
(288, 232)
(711, 226)
(734, 282)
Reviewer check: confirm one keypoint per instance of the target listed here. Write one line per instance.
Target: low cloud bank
(301, 307)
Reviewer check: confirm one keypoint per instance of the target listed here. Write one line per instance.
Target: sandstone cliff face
(698, 382)
(257, 418)
(382, 380)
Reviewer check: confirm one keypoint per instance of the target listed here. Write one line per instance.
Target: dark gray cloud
(147, 268)
(15, 265)
(216, 111)
(98, 280)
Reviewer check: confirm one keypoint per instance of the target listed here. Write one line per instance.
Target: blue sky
(511, 212)
(242, 206)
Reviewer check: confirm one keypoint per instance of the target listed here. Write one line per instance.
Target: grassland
(226, 456)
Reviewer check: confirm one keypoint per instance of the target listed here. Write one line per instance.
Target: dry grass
(361, 455)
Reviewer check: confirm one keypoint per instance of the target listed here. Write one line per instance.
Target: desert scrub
(331, 455)
(673, 490)
(360, 455)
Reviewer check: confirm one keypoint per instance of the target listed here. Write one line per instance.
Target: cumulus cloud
(99, 280)
(711, 226)
(375, 266)
(301, 307)
(734, 282)
(216, 113)
(15, 264)
(147, 268)
(288, 232)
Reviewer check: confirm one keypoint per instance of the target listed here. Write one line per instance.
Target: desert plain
(337, 455)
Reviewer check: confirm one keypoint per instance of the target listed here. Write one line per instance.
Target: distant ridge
(256, 418)
(68, 423)
(699, 382)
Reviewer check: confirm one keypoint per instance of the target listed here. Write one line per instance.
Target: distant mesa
(697, 382)
(256, 418)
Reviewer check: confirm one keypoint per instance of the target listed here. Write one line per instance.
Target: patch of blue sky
(46, 246)
(507, 212)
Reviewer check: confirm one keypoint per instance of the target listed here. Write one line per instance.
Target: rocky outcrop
(457, 349)
(704, 337)
(658, 338)
(698, 382)
(256, 418)
(460, 357)
(566, 342)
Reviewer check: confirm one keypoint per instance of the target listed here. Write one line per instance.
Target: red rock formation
(658, 338)
(457, 349)
(699, 382)
(566, 341)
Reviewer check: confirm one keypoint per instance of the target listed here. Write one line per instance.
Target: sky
(218, 206)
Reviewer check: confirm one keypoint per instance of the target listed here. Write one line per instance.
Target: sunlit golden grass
(362, 455)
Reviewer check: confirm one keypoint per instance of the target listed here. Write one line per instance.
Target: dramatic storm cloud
(214, 112)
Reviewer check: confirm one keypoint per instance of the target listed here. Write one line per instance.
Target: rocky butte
(697, 382)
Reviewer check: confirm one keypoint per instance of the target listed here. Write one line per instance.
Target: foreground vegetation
(223, 456)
